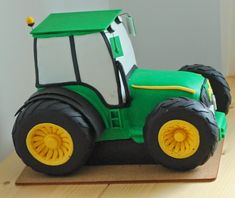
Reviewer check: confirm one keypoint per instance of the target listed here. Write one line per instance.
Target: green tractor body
(128, 122)
(128, 102)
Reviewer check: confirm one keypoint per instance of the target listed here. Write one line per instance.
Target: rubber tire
(56, 112)
(188, 110)
(218, 83)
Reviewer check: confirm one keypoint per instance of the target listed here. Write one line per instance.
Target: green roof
(75, 23)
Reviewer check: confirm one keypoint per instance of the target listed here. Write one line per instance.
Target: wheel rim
(50, 144)
(178, 139)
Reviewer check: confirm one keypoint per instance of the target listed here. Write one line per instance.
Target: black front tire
(193, 112)
(63, 115)
(218, 83)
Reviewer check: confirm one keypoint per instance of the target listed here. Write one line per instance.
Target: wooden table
(224, 186)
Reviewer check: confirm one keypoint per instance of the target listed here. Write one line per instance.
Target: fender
(75, 100)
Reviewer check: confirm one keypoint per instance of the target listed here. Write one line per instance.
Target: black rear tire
(63, 115)
(193, 112)
(218, 83)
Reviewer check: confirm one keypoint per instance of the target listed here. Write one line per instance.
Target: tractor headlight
(208, 97)
(214, 102)
(209, 90)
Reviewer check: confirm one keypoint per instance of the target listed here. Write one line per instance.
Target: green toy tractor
(93, 105)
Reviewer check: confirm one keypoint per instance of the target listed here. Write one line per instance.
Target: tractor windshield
(119, 38)
(54, 62)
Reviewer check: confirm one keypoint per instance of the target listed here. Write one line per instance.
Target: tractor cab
(87, 48)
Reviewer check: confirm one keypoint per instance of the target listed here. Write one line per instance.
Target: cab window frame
(74, 65)
(78, 81)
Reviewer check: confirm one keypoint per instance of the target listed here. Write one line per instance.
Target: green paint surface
(116, 46)
(75, 23)
(128, 122)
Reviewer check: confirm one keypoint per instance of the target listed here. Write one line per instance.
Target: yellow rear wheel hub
(50, 144)
(178, 139)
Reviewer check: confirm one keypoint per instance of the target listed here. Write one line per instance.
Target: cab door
(96, 67)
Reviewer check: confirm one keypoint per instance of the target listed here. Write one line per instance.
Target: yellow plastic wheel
(50, 144)
(178, 139)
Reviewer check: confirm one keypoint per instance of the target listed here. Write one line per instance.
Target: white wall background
(228, 35)
(169, 34)
(16, 55)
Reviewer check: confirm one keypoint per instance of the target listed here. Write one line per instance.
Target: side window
(96, 66)
(55, 63)
(120, 40)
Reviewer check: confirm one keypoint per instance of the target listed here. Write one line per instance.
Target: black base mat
(119, 152)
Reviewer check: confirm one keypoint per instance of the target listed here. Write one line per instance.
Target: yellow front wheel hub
(178, 139)
(179, 136)
(50, 144)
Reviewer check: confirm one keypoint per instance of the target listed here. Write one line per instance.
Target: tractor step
(222, 124)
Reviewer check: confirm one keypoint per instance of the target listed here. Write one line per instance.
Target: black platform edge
(118, 153)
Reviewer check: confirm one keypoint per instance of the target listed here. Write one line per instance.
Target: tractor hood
(186, 82)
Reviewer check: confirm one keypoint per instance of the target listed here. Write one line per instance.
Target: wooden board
(126, 174)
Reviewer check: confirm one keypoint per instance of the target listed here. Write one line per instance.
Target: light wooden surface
(223, 187)
(118, 174)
